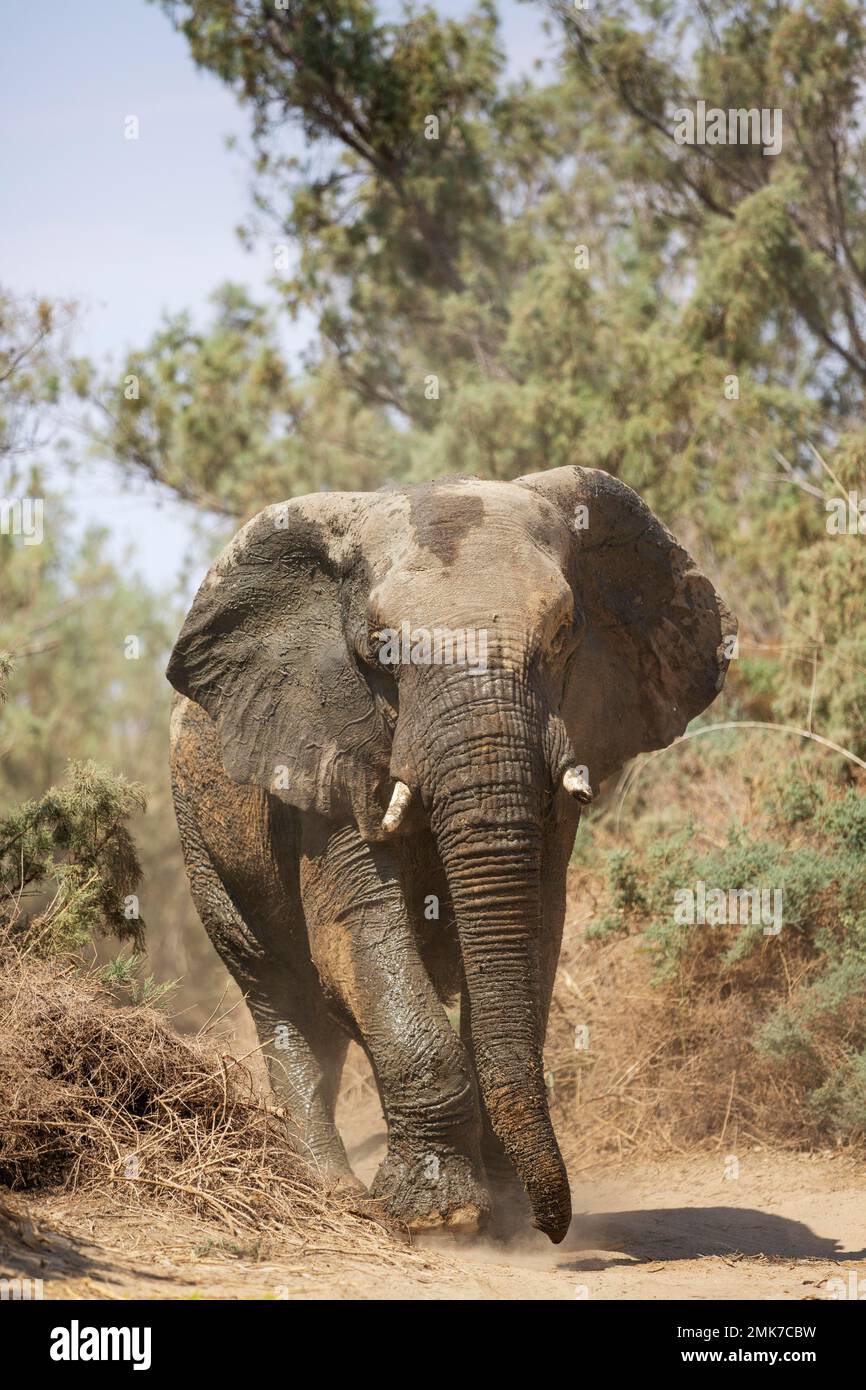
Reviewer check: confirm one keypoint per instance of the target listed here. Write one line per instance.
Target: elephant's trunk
(486, 816)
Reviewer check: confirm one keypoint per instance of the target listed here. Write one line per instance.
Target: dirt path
(784, 1228)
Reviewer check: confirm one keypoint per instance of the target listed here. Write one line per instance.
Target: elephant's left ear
(658, 637)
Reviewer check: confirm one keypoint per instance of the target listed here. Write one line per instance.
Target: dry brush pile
(108, 1097)
(98, 1094)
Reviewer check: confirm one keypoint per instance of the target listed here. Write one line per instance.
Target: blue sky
(130, 228)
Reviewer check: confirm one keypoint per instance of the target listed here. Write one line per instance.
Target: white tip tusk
(576, 785)
(399, 805)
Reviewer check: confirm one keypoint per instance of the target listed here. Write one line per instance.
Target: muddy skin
(441, 518)
(289, 736)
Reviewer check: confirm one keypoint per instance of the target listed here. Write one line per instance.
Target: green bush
(806, 985)
(70, 854)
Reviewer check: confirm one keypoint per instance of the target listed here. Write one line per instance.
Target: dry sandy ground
(671, 1230)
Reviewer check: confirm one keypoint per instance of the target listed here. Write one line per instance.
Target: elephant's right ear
(264, 651)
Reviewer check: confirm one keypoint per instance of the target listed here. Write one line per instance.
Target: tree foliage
(77, 714)
(72, 853)
(505, 276)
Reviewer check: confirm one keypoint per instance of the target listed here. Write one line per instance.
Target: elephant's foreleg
(304, 1066)
(364, 948)
(303, 1045)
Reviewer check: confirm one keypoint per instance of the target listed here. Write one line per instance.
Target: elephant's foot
(341, 1183)
(510, 1220)
(511, 1215)
(427, 1191)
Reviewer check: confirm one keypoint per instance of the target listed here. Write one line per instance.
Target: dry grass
(109, 1098)
(673, 1066)
(645, 1084)
(665, 1071)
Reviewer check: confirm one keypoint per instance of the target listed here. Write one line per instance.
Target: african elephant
(377, 815)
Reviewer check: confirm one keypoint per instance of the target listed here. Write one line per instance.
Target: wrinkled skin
(289, 736)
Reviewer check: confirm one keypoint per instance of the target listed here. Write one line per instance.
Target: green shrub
(806, 986)
(70, 853)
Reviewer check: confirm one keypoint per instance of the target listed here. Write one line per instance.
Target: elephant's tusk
(399, 805)
(576, 785)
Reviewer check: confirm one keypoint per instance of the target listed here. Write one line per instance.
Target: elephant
(375, 828)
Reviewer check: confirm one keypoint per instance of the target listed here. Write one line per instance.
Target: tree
(215, 416)
(779, 243)
(84, 728)
(506, 276)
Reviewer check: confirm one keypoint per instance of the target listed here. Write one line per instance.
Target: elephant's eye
(375, 647)
(560, 637)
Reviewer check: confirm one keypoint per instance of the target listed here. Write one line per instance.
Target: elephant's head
(588, 637)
